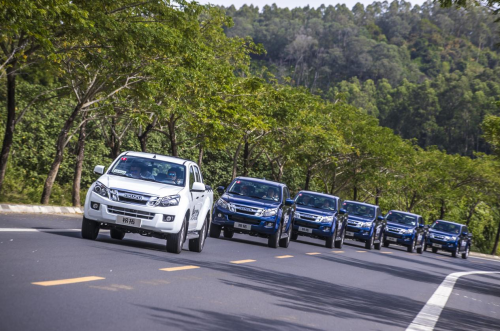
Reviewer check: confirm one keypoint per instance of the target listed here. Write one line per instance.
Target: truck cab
(449, 237)
(405, 229)
(365, 223)
(319, 216)
(256, 207)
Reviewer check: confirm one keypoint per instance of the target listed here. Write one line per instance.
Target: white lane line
(40, 230)
(484, 258)
(427, 317)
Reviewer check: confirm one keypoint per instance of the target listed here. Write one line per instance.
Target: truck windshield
(357, 209)
(446, 227)
(150, 170)
(315, 201)
(401, 218)
(255, 190)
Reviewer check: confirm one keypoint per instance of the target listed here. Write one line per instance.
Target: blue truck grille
(241, 219)
(307, 224)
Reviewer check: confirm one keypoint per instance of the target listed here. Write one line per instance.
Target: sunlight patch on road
(68, 281)
(186, 267)
(242, 261)
(314, 253)
(284, 256)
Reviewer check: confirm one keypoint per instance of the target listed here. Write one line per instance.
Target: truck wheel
(295, 236)
(196, 244)
(340, 243)
(421, 249)
(116, 234)
(369, 243)
(386, 243)
(411, 248)
(456, 252)
(378, 246)
(465, 254)
(228, 233)
(330, 240)
(434, 250)
(90, 229)
(286, 241)
(215, 230)
(176, 240)
(274, 239)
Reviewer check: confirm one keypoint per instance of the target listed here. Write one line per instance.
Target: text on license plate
(128, 221)
(437, 245)
(242, 226)
(303, 229)
(392, 239)
(349, 234)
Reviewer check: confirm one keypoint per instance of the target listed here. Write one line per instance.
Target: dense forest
(427, 72)
(294, 96)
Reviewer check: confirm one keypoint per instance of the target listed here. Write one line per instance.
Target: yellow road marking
(386, 252)
(68, 281)
(337, 252)
(242, 261)
(360, 251)
(186, 267)
(284, 256)
(315, 253)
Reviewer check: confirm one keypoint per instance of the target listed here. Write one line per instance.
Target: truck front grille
(130, 212)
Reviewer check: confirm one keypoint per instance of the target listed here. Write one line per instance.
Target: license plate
(303, 229)
(128, 221)
(392, 239)
(242, 226)
(349, 234)
(437, 245)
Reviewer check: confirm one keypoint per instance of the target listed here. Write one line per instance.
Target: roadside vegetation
(415, 130)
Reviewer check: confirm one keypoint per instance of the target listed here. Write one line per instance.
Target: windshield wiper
(233, 192)
(254, 196)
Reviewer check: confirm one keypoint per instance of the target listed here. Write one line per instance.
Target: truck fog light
(366, 233)
(327, 229)
(95, 205)
(269, 224)
(407, 239)
(168, 218)
(219, 215)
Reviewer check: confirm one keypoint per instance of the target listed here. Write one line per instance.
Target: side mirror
(289, 202)
(220, 190)
(380, 218)
(208, 188)
(99, 169)
(421, 226)
(198, 187)
(342, 211)
(465, 233)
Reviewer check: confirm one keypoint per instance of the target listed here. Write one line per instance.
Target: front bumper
(362, 234)
(401, 239)
(152, 218)
(227, 218)
(313, 229)
(443, 245)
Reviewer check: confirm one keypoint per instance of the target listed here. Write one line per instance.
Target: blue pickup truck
(449, 237)
(405, 229)
(256, 207)
(365, 223)
(319, 216)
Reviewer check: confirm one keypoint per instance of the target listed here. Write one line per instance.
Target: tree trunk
(235, 161)
(495, 247)
(377, 195)
(442, 209)
(245, 158)
(308, 179)
(143, 137)
(355, 193)
(79, 165)
(116, 142)
(171, 135)
(200, 156)
(58, 158)
(10, 124)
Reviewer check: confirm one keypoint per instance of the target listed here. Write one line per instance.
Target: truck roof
(455, 223)
(361, 203)
(317, 193)
(261, 180)
(405, 212)
(161, 157)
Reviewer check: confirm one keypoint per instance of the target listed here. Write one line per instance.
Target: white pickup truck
(152, 195)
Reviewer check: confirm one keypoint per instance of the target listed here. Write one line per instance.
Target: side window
(379, 212)
(287, 193)
(339, 204)
(191, 176)
(197, 174)
(464, 229)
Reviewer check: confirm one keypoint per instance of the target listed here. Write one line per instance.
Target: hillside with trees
(83, 81)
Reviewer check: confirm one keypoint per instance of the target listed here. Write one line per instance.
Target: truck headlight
(447, 238)
(325, 219)
(431, 235)
(365, 225)
(409, 231)
(222, 203)
(101, 189)
(297, 214)
(170, 200)
(270, 212)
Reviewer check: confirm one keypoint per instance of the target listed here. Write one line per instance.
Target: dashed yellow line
(242, 261)
(187, 267)
(337, 252)
(360, 251)
(68, 281)
(386, 252)
(314, 253)
(284, 256)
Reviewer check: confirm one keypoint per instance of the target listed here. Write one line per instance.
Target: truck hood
(139, 185)
(360, 219)
(444, 233)
(399, 226)
(253, 202)
(314, 211)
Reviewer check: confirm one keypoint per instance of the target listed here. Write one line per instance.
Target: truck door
(287, 210)
(196, 197)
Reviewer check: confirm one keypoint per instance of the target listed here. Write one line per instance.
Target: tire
(196, 244)
(215, 230)
(378, 246)
(295, 236)
(369, 243)
(116, 234)
(284, 242)
(465, 254)
(386, 243)
(340, 243)
(228, 233)
(273, 240)
(434, 250)
(456, 252)
(175, 241)
(411, 248)
(90, 229)
(421, 249)
(330, 240)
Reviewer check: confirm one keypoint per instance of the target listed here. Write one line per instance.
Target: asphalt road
(304, 287)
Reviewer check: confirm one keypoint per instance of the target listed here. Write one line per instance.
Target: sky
(294, 3)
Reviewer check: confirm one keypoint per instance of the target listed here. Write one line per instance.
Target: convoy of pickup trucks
(165, 197)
